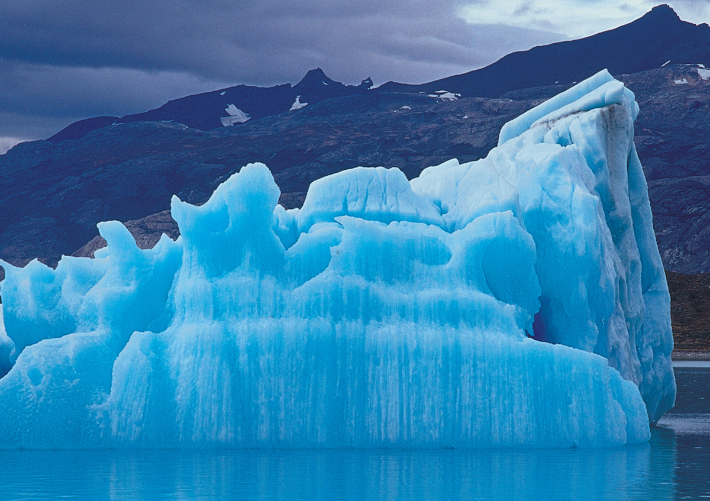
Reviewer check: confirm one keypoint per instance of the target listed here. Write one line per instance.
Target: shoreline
(690, 355)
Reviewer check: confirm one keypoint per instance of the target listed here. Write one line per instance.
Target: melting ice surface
(518, 300)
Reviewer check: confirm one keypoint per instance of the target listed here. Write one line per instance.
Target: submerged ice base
(518, 300)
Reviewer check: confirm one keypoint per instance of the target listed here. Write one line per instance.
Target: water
(687, 428)
(675, 464)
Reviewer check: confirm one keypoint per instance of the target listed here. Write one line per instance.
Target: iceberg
(518, 300)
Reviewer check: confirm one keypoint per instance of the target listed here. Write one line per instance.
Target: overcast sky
(61, 61)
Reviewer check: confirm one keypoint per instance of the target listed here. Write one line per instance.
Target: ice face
(514, 301)
(6, 349)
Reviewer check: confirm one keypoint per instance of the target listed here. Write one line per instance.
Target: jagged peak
(315, 77)
(664, 9)
(663, 12)
(367, 83)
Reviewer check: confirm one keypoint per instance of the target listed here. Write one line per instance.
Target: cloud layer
(62, 61)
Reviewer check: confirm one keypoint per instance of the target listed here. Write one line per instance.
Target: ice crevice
(383, 313)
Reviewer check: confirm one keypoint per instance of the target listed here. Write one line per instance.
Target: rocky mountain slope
(52, 193)
(690, 311)
(228, 107)
(673, 140)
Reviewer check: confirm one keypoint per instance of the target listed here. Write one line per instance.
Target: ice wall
(6, 348)
(383, 313)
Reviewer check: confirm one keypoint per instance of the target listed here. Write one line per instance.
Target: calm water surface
(675, 464)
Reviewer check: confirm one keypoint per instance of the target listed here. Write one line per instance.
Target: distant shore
(690, 355)
(690, 315)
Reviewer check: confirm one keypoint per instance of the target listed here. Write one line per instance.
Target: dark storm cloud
(38, 100)
(60, 91)
(253, 41)
(78, 58)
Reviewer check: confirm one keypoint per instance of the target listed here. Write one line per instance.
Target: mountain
(79, 129)
(659, 37)
(52, 193)
(225, 107)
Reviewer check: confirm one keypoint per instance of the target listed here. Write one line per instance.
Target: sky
(61, 61)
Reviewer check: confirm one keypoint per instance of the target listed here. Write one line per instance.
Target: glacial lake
(675, 464)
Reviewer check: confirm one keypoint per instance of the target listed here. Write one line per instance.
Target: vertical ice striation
(383, 313)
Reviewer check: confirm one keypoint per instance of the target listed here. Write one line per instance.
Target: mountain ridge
(646, 43)
(205, 111)
(657, 37)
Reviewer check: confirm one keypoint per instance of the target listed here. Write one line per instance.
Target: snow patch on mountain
(297, 104)
(445, 95)
(236, 116)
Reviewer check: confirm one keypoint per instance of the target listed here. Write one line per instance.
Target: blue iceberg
(519, 300)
